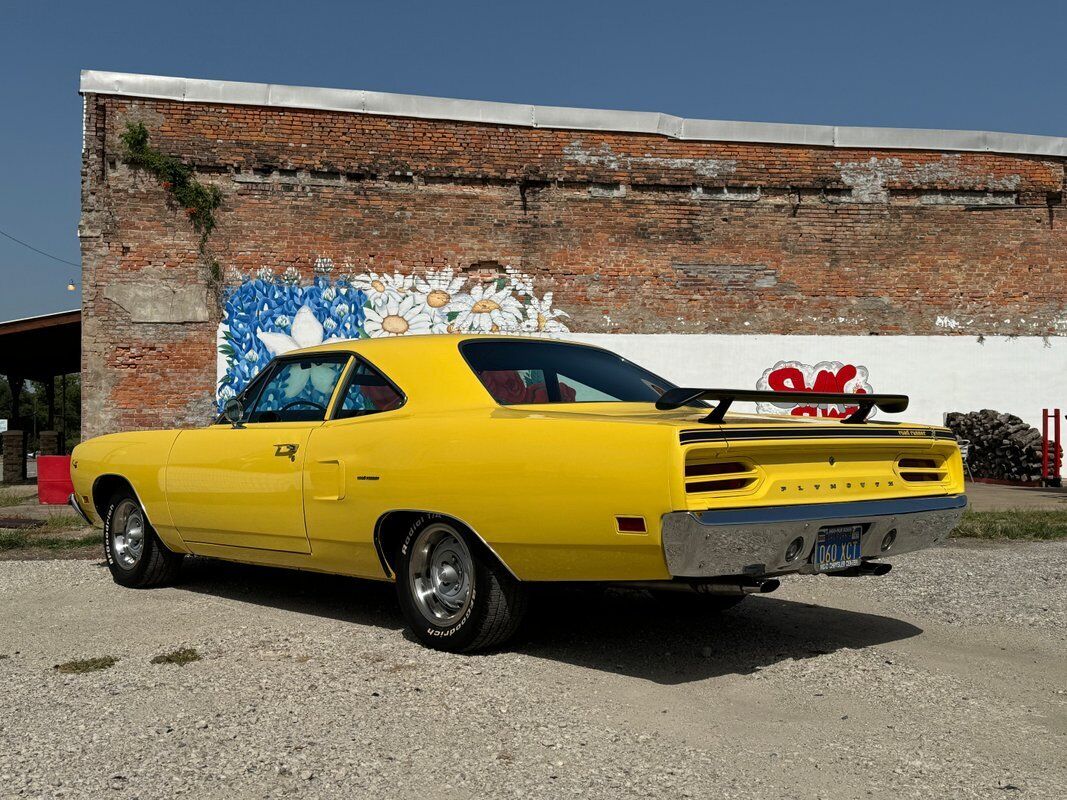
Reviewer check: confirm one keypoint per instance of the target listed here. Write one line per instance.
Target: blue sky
(944, 64)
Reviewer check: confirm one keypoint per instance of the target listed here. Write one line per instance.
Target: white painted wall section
(1018, 375)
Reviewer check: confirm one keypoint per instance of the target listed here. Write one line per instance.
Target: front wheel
(453, 592)
(135, 555)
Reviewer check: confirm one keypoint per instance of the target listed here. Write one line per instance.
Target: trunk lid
(755, 461)
(752, 460)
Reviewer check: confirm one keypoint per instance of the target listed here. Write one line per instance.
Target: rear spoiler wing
(676, 398)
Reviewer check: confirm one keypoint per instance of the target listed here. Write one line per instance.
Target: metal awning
(40, 348)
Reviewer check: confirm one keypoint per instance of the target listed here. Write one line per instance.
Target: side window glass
(298, 390)
(573, 391)
(517, 372)
(515, 385)
(368, 392)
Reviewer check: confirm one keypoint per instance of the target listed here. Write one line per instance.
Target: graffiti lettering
(826, 376)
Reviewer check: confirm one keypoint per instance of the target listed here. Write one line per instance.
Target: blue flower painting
(264, 317)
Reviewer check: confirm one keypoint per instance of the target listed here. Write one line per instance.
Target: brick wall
(633, 233)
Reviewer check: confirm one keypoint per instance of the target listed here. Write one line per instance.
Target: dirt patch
(181, 657)
(86, 665)
(33, 533)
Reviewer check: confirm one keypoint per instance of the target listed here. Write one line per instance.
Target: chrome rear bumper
(754, 541)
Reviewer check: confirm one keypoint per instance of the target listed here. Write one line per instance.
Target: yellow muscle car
(465, 468)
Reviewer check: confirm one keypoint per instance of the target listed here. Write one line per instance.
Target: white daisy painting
(542, 318)
(397, 316)
(488, 308)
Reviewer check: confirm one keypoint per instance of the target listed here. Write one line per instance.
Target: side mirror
(234, 411)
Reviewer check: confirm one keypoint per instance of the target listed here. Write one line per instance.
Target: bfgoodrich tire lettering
(134, 553)
(454, 593)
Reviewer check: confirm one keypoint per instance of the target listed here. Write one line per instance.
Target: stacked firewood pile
(1002, 445)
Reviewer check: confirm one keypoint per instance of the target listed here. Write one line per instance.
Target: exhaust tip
(738, 586)
(888, 540)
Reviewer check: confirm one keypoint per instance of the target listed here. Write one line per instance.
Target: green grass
(23, 539)
(13, 540)
(86, 665)
(57, 543)
(9, 497)
(1018, 524)
(181, 657)
(61, 522)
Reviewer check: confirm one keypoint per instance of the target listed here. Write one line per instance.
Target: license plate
(837, 547)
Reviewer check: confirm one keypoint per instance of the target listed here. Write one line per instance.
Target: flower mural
(398, 316)
(488, 309)
(266, 315)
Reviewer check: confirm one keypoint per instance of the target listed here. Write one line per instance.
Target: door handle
(286, 451)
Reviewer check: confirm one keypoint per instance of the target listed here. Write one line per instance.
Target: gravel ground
(943, 679)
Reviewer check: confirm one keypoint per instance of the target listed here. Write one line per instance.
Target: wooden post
(15, 384)
(63, 415)
(50, 396)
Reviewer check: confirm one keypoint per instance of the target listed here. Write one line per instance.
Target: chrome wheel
(441, 572)
(127, 534)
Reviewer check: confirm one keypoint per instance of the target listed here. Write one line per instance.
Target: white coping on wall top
(359, 101)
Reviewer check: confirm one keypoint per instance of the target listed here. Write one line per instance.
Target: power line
(42, 252)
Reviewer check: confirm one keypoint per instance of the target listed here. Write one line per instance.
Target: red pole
(1056, 455)
(1044, 446)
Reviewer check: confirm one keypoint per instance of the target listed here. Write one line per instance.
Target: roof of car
(428, 343)
(433, 340)
(427, 367)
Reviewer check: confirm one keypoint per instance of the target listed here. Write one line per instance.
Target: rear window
(517, 372)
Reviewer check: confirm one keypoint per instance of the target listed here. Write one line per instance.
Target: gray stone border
(192, 90)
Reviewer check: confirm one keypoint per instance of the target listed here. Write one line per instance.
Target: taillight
(718, 476)
(918, 470)
(718, 486)
(694, 470)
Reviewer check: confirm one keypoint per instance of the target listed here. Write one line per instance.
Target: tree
(5, 398)
(67, 415)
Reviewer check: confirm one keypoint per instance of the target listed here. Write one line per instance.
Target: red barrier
(53, 480)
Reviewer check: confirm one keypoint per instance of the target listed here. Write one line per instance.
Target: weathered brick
(633, 233)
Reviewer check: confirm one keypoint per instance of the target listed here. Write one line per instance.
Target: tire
(693, 602)
(454, 593)
(135, 555)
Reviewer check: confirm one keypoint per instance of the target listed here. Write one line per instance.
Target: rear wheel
(454, 593)
(135, 555)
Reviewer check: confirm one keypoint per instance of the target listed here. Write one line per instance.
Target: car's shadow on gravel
(625, 632)
(329, 596)
(631, 633)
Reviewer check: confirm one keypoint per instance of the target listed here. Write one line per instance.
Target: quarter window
(368, 392)
(298, 390)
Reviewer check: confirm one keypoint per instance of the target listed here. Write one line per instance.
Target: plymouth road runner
(466, 468)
